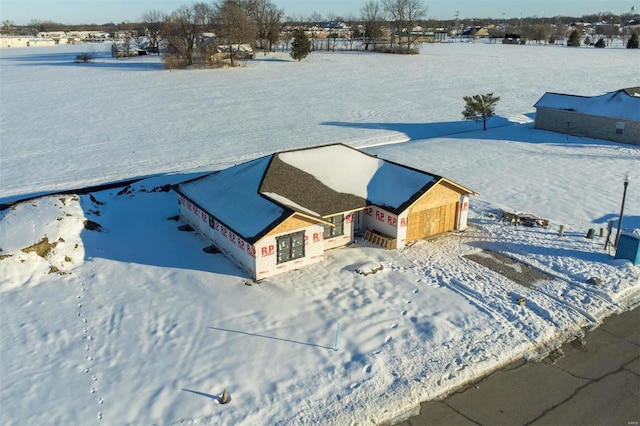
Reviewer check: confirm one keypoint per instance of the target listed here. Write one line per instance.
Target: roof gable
(620, 104)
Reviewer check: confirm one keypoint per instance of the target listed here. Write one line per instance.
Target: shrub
(600, 43)
(84, 57)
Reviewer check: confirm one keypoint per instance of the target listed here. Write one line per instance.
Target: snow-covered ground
(136, 324)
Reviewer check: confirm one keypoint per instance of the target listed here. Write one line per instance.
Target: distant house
(14, 41)
(282, 211)
(614, 116)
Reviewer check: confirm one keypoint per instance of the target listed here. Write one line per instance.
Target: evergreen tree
(574, 39)
(633, 41)
(600, 43)
(480, 108)
(300, 46)
(587, 41)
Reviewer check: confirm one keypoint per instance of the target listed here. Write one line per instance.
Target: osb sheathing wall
(291, 224)
(441, 194)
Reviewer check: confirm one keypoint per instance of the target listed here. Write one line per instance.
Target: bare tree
(35, 26)
(234, 25)
(373, 18)
(7, 27)
(405, 15)
(352, 24)
(536, 32)
(268, 21)
(154, 22)
(183, 30)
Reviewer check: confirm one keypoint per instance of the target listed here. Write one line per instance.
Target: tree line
(185, 34)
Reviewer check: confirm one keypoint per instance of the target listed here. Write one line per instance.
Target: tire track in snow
(448, 269)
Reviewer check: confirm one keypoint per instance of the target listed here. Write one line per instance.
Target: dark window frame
(337, 230)
(290, 247)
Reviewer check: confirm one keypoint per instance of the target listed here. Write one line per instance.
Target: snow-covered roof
(349, 172)
(253, 197)
(623, 104)
(231, 195)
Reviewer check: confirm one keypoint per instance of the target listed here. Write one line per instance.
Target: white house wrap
(282, 211)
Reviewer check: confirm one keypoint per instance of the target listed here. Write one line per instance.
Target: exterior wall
(440, 195)
(403, 222)
(346, 238)
(381, 221)
(463, 213)
(266, 252)
(41, 42)
(14, 41)
(433, 213)
(234, 247)
(584, 125)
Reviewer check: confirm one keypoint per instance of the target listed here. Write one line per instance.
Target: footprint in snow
(100, 401)
(93, 390)
(416, 291)
(403, 312)
(394, 326)
(388, 339)
(100, 415)
(408, 301)
(367, 369)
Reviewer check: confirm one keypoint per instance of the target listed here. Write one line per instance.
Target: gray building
(614, 116)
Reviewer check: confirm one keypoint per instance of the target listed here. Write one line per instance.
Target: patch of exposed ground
(41, 248)
(510, 268)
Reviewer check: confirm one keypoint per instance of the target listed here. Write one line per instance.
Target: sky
(104, 11)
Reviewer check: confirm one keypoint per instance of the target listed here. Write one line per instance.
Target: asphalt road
(594, 383)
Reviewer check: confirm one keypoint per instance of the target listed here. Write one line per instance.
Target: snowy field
(132, 323)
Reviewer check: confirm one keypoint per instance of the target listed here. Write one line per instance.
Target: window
(337, 229)
(619, 128)
(290, 247)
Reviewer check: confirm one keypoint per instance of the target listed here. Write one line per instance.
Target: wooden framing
(435, 212)
(291, 224)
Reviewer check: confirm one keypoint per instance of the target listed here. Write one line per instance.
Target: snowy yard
(136, 324)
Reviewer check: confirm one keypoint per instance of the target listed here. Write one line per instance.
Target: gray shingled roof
(305, 190)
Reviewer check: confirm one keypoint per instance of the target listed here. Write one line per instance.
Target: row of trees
(575, 40)
(260, 24)
(255, 22)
